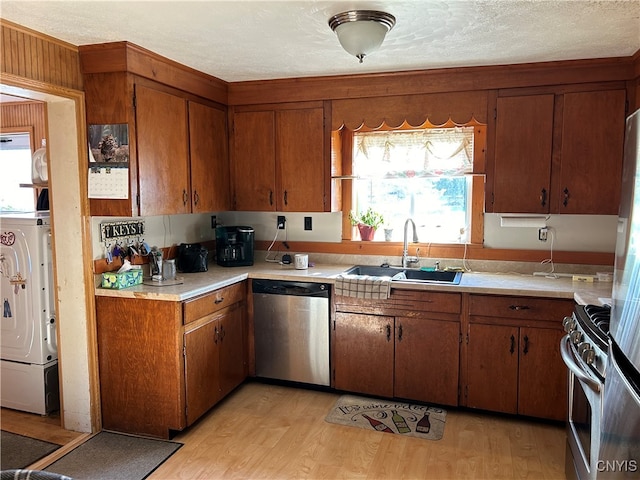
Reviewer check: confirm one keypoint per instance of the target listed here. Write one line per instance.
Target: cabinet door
(427, 360)
(524, 140)
(163, 152)
(363, 354)
(492, 368)
(543, 375)
(592, 149)
(300, 158)
(209, 159)
(141, 365)
(201, 369)
(254, 161)
(232, 355)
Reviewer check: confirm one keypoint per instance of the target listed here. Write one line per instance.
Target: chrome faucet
(406, 258)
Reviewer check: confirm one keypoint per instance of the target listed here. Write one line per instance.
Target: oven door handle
(567, 357)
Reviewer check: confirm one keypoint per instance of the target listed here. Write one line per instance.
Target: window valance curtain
(414, 110)
(422, 153)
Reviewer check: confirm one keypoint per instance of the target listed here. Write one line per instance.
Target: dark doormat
(18, 451)
(389, 416)
(110, 455)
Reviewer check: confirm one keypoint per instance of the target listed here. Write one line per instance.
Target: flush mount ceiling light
(361, 32)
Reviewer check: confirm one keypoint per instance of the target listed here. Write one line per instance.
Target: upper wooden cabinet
(209, 159)
(524, 130)
(558, 153)
(591, 153)
(278, 159)
(178, 140)
(163, 152)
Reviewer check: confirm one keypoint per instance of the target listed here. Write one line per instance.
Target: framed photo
(109, 143)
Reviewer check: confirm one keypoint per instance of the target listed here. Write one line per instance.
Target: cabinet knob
(566, 197)
(285, 198)
(525, 350)
(185, 197)
(388, 332)
(543, 197)
(400, 332)
(218, 300)
(196, 197)
(270, 197)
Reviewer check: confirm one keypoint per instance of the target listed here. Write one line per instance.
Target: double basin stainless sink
(410, 275)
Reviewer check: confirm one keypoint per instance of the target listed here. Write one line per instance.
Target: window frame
(345, 146)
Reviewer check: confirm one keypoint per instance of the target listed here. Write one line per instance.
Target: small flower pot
(366, 232)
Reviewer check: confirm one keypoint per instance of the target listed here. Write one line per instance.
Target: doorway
(65, 119)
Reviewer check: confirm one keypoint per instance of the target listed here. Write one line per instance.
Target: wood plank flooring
(274, 432)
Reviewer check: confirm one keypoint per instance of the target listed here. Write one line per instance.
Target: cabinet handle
(218, 300)
(566, 197)
(519, 307)
(513, 344)
(400, 333)
(285, 198)
(388, 332)
(270, 197)
(215, 335)
(525, 350)
(543, 197)
(196, 197)
(185, 197)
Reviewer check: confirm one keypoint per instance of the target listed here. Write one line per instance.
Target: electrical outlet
(281, 222)
(542, 234)
(307, 223)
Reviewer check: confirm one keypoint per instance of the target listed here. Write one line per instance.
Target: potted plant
(367, 222)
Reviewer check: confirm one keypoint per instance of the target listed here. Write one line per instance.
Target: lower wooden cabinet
(513, 356)
(213, 360)
(412, 353)
(163, 364)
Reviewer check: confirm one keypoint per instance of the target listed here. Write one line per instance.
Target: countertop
(195, 284)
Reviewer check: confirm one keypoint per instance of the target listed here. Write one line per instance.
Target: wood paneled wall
(30, 54)
(25, 114)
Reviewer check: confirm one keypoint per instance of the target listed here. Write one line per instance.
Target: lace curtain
(414, 153)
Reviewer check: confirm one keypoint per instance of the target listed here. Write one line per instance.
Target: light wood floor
(274, 432)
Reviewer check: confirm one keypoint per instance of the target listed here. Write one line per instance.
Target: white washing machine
(28, 342)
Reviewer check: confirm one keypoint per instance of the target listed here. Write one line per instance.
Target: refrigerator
(28, 342)
(620, 433)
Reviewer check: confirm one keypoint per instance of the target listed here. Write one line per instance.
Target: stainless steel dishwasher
(291, 330)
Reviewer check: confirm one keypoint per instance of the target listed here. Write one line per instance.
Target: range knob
(587, 353)
(576, 337)
(569, 324)
(589, 356)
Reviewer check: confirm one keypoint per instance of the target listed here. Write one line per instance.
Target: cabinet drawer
(524, 308)
(213, 302)
(401, 301)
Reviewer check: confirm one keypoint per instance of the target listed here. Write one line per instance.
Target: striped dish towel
(363, 286)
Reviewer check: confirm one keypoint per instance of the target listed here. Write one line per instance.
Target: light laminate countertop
(195, 284)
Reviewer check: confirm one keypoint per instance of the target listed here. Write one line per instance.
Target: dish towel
(363, 286)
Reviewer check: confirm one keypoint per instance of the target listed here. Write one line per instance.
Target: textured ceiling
(255, 40)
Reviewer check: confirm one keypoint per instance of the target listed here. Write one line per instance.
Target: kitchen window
(425, 174)
(15, 164)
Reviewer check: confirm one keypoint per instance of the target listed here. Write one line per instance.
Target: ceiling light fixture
(361, 32)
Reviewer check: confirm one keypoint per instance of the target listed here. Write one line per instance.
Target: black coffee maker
(234, 246)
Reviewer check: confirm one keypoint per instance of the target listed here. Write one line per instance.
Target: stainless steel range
(584, 351)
